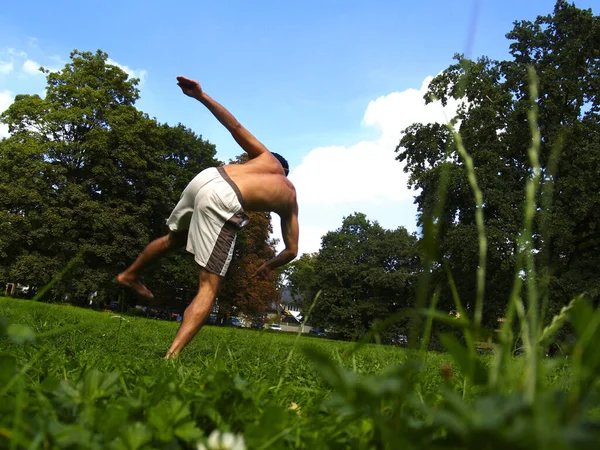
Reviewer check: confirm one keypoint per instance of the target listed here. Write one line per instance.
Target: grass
(106, 342)
(85, 376)
(229, 378)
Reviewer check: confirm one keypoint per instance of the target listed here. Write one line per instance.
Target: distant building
(286, 307)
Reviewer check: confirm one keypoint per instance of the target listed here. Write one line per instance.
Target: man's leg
(131, 276)
(196, 313)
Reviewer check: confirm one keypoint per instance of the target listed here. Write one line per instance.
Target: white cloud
(141, 74)
(7, 59)
(336, 181)
(17, 53)
(31, 67)
(4, 131)
(6, 98)
(365, 172)
(394, 112)
(6, 67)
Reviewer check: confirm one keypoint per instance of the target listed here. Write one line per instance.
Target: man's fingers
(261, 274)
(185, 81)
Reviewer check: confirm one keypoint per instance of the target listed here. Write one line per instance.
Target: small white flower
(227, 440)
(213, 440)
(239, 443)
(224, 441)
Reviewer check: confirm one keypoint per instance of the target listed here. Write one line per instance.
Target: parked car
(317, 331)
(399, 339)
(275, 326)
(236, 322)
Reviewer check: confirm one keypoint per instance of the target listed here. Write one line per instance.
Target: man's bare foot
(135, 284)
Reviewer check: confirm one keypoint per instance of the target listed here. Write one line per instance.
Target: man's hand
(264, 272)
(189, 87)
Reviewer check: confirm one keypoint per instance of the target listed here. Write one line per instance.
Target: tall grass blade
(292, 350)
(482, 239)
(61, 274)
(530, 209)
(548, 333)
(546, 199)
(429, 322)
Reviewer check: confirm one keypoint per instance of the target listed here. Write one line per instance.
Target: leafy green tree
(365, 272)
(563, 49)
(299, 276)
(84, 169)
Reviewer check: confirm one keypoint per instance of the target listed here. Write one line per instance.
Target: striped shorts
(210, 208)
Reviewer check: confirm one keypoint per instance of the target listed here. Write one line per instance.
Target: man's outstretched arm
(290, 231)
(242, 136)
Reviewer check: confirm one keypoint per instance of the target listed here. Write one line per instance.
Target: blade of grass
(469, 336)
(379, 327)
(292, 350)
(429, 322)
(530, 209)
(21, 372)
(430, 240)
(546, 235)
(482, 239)
(18, 414)
(62, 273)
(580, 346)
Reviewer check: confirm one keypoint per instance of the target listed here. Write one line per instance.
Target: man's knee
(209, 281)
(177, 238)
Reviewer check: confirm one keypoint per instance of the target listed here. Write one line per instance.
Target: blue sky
(327, 84)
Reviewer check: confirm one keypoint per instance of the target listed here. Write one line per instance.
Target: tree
(564, 50)
(84, 169)
(365, 273)
(299, 276)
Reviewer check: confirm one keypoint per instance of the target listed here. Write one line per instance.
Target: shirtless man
(211, 211)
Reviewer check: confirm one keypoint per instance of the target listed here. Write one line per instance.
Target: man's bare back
(263, 185)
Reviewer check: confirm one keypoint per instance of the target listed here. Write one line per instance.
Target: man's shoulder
(264, 163)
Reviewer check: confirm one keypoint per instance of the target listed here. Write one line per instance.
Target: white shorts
(211, 209)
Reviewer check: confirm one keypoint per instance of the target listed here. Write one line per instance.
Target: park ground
(98, 377)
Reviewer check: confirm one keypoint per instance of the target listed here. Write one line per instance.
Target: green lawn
(231, 379)
(90, 380)
(80, 337)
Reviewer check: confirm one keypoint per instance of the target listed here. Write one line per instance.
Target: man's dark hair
(283, 161)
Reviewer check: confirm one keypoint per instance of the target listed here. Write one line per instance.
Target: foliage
(562, 48)
(365, 273)
(299, 276)
(83, 169)
(87, 375)
(71, 375)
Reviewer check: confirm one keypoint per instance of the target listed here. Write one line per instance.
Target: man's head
(284, 163)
